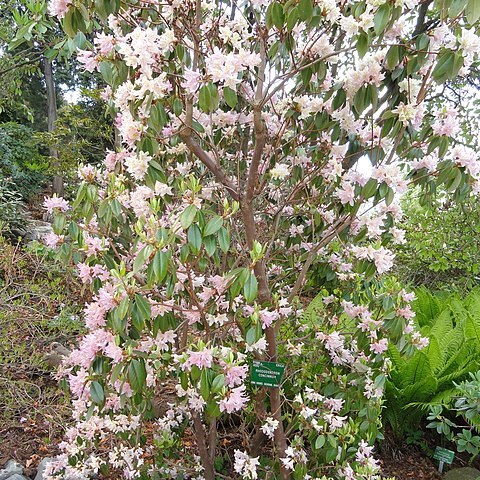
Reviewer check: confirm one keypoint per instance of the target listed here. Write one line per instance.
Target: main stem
(203, 450)
(264, 296)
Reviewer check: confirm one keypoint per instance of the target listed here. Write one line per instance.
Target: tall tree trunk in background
(57, 187)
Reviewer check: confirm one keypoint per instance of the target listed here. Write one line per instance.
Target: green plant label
(266, 374)
(443, 455)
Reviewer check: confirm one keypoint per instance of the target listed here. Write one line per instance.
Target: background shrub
(22, 161)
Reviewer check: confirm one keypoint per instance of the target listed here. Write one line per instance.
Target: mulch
(408, 465)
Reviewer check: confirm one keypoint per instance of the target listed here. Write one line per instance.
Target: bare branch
(210, 163)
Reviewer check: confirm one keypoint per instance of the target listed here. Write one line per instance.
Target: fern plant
(426, 378)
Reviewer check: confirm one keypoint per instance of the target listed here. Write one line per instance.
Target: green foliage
(21, 161)
(442, 249)
(465, 406)
(425, 378)
(82, 135)
(11, 209)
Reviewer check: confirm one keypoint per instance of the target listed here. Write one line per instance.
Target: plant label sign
(443, 455)
(266, 374)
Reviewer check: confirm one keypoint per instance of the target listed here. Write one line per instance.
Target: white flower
(137, 165)
(246, 466)
(280, 171)
(162, 189)
(269, 427)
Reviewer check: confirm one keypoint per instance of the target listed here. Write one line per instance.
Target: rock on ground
(10, 469)
(17, 477)
(466, 473)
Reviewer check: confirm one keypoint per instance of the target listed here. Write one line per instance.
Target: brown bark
(264, 296)
(57, 184)
(200, 437)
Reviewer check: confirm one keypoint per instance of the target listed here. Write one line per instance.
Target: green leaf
(137, 374)
(210, 245)
(250, 288)
(160, 265)
(381, 18)
(320, 442)
(305, 10)
(213, 225)
(97, 393)
(143, 306)
(455, 182)
(194, 238)
(67, 24)
(292, 19)
(141, 258)
(214, 97)
(370, 188)
(107, 72)
(205, 384)
(447, 67)
(224, 239)
(204, 99)
(158, 118)
(253, 334)
(456, 8)
(187, 216)
(218, 383)
(393, 57)
(331, 455)
(472, 12)
(230, 97)
(278, 17)
(362, 44)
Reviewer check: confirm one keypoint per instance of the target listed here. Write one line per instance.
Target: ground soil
(408, 465)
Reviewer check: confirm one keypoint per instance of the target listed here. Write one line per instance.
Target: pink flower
(192, 80)
(51, 203)
(235, 375)
(52, 240)
(94, 315)
(219, 283)
(163, 339)
(268, 317)
(104, 43)
(383, 259)
(380, 346)
(58, 8)
(406, 312)
(234, 401)
(94, 245)
(346, 194)
(334, 404)
(78, 383)
(84, 272)
(407, 297)
(88, 60)
(201, 359)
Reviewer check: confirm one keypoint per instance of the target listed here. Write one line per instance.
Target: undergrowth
(39, 308)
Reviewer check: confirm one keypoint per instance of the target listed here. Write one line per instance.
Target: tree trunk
(57, 185)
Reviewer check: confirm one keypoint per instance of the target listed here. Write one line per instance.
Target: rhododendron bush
(237, 198)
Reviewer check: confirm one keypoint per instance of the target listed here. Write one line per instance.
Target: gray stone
(11, 468)
(41, 468)
(36, 230)
(466, 473)
(18, 477)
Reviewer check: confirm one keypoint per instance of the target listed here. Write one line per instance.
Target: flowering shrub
(242, 126)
